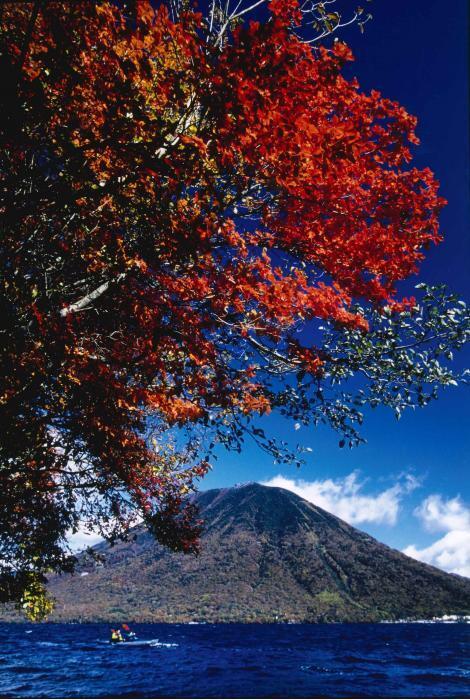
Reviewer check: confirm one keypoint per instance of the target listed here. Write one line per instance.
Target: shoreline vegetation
(444, 620)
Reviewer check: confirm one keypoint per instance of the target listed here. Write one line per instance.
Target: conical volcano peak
(269, 508)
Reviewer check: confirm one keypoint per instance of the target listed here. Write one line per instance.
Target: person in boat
(129, 635)
(116, 636)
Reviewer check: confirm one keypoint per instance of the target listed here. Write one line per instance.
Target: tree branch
(88, 298)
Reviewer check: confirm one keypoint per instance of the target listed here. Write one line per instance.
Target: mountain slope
(266, 555)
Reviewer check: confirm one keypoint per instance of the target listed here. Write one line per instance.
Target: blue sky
(416, 53)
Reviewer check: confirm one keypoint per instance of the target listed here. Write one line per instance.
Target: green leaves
(403, 359)
(35, 602)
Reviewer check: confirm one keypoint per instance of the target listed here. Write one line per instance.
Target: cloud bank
(346, 497)
(452, 551)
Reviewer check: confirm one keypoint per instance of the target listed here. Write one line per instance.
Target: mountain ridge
(267, 555)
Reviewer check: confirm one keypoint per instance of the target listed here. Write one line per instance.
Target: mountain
(266, 555)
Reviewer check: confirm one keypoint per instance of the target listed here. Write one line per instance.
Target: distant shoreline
(435, 621)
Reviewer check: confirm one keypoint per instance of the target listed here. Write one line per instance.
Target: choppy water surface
(244, 661)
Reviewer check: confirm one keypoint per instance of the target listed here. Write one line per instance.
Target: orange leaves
(174, 409)
(286, 10)
(342, 51)
(252, 399)
(145, 14)
(136, 262)
(72, 377)
(310, 359)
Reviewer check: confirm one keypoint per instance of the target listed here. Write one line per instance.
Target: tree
(179, 194)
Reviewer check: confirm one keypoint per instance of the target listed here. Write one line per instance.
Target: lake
(244, 661)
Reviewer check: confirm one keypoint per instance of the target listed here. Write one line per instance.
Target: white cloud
(346, 498)
(452, 551)
(438, 515)
(82, 538)
(86, 536)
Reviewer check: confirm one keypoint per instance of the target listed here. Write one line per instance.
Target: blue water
(243, 661)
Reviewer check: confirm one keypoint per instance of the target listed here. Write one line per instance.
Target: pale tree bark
(85, 301)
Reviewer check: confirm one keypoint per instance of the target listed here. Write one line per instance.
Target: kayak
(134, 643)
(142, 643)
